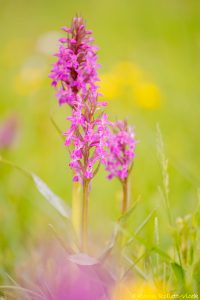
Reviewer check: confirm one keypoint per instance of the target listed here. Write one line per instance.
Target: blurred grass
(163, 39)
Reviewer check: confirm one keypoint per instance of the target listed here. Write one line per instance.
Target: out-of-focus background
(149, 52)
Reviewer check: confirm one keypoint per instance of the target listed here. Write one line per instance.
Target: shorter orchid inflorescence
(118, 159)
(91, 138)
(120, 152)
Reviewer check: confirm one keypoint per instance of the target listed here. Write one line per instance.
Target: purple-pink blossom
(74, 74)
(92, 138)
(120, 145)
(87, 135)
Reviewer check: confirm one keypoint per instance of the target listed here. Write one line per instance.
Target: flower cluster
(75, 76)
(75, 72)
(120, 150)
(87, 134)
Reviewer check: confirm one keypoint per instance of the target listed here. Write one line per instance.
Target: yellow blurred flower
(147, 95)
(110, 85)
(128, 80)
(138, 290)
(128, 72)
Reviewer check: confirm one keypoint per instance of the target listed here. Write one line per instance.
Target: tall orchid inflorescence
(75, 77)
(118, 158)
(75, 72)
(92, 139)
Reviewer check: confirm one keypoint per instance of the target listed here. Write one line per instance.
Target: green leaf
(133, 264)
(124, 217)
(110, 245)
(44, 190)
(52, 198)
(179, 273)
(146, 220)
(196, 276)
(163, 254)
(140, 227)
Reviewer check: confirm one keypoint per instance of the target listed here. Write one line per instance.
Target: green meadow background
(156, 41)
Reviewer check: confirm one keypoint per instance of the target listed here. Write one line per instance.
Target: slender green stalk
(125, 200)
(124, 209)
(84, 222)
(76, 208)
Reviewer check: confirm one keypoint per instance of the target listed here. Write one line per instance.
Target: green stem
(124, 209)
(125, 196)
(76, 208)
(84, 223)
